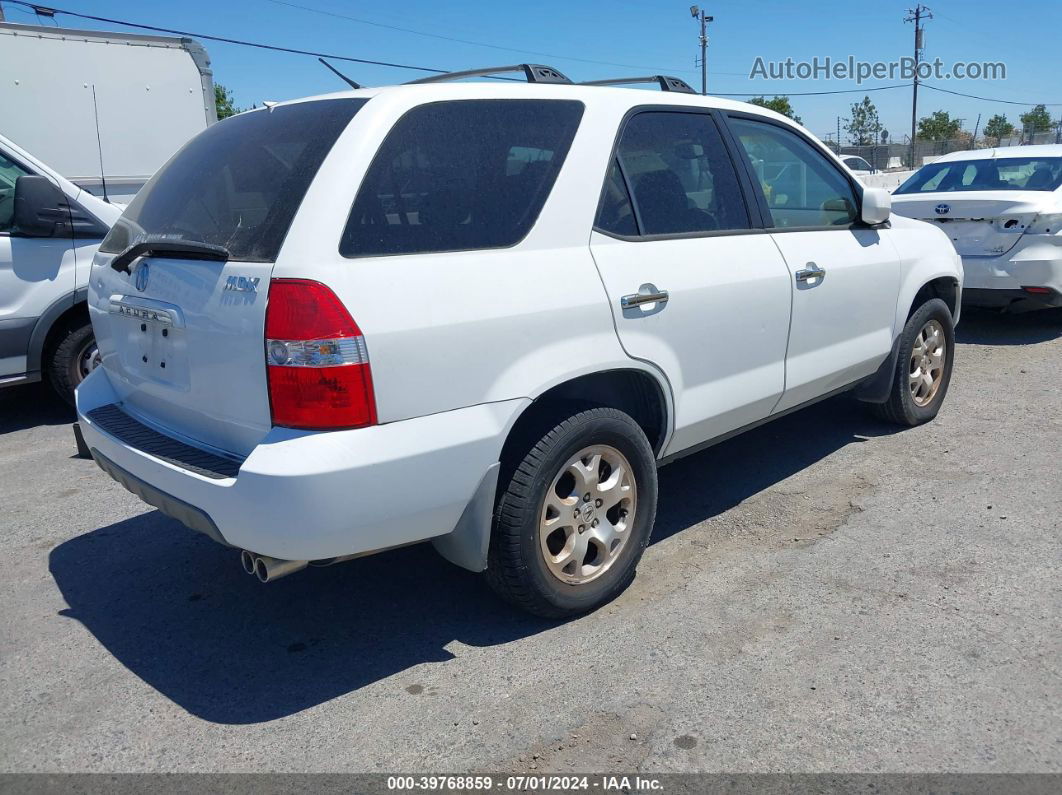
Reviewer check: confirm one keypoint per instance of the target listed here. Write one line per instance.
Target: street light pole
(698, 13)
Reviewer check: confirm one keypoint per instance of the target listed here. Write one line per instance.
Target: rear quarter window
(461, 175)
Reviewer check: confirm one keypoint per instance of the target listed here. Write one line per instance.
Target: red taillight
(1037, 290)
(319, 374)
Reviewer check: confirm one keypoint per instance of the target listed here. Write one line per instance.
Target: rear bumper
(308, 496)
(1035, 261)
(1014, 299)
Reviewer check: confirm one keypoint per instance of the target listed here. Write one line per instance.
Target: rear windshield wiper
(168, 247)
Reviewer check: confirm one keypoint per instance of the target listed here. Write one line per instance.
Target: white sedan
(1002, 209)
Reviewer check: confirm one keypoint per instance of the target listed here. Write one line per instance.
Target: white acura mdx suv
(1002, 209)
(485, 313)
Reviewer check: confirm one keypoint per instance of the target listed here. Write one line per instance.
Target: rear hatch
(178, 294)
(980, 224)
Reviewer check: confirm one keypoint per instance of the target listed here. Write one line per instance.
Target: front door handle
(813, 271)
(637, 299)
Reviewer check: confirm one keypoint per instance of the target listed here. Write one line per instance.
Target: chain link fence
(897, 156)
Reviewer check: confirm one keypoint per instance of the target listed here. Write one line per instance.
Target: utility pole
(698, 13)
(973, 143)
(917, 15)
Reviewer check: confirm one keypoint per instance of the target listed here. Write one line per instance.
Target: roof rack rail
(666, 82)
(535, 73)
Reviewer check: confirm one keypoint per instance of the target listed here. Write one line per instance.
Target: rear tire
(74, 356)
(575, 515)
(923, 366)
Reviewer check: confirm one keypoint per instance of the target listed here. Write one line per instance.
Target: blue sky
(645, 37)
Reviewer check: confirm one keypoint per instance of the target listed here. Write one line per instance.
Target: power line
(32, 7)
(811, 93)
(361, 21)
(242, 42)
(989, 99)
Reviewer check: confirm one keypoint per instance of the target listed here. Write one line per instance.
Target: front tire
(575, 516)
(74, 356)
(923, 366)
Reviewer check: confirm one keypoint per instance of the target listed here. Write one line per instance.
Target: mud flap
(877, 387)
(467, 545)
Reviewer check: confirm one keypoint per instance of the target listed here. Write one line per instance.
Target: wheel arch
(946, 288)
(633, 390)
(70, 308)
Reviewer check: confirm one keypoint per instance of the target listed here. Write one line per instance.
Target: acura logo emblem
(142, 276)
(942, 209)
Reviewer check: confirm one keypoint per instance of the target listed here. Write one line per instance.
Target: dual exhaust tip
(267, 569)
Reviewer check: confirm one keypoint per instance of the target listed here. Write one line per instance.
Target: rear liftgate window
(461, 175)
(238, 183)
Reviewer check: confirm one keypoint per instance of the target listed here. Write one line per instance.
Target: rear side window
(680, 175)
(238, 183)
(460, 175)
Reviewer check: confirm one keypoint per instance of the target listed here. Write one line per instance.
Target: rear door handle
(811, 272)
(637, 299)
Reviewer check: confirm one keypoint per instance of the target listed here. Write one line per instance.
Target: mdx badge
(242, 284)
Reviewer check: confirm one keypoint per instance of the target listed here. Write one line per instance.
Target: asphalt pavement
(824, 593)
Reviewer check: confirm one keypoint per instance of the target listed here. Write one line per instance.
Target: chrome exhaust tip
(267, 569)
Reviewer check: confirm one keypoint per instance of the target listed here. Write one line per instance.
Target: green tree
(939, 126)
(999, 128)
(863, 126)
(1036, 120)
(778, 105)
(224, 102)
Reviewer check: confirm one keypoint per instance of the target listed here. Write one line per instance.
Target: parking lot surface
(824, 593)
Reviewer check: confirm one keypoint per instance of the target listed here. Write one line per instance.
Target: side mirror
(877, 206)
(39, 207)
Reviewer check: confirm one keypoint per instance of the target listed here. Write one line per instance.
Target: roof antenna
(99, 144)
(339, 74)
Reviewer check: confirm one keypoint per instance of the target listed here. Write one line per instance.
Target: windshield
(237, 184)
(1000, 173)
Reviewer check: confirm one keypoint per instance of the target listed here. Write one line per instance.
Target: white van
(49, 231)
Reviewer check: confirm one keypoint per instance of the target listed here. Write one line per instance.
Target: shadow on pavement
(987, 327)
(32, 405)
(178, 611)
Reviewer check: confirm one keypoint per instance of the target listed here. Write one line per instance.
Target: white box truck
(71, 100)
(79, 98)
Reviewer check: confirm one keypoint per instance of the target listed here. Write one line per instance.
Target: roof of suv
(588, 94)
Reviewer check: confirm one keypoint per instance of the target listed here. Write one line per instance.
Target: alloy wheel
(926, 371)
(587, 514)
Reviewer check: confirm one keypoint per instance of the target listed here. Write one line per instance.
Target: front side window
(680, 177)
(238, 183)
(9, 172)
(999, 173)
(801, 187)
(461, 175)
